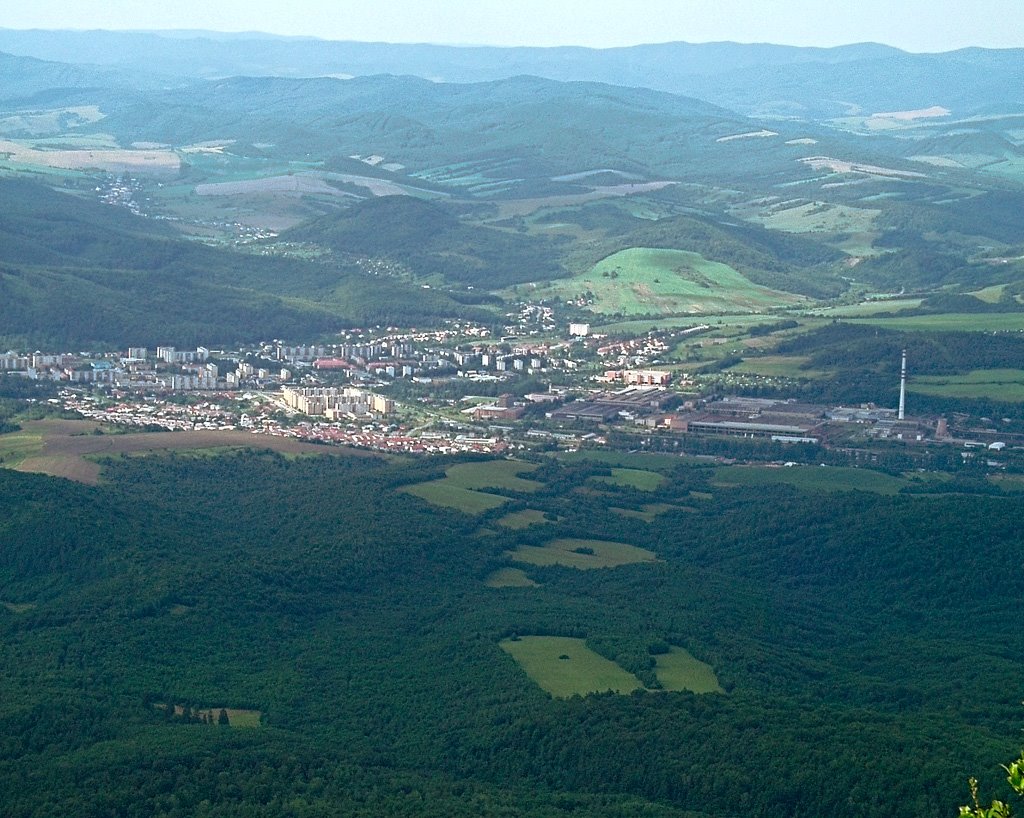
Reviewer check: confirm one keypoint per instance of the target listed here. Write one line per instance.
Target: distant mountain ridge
(761, 79)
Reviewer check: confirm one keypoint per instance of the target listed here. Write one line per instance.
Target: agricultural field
(678, 670)
(499, 474)
(632, 478)
(645, 281)
(809, 478)
(951, 322)
(649, 512)
(70, 449)
(111, 160)
(509, 578)
(650, 461)
(868, 308)
(460, 487)
(445, 494)
(819, 217)
(582, 554)
(15, 447)
(566, 667)
(776, 366)
(995, 384)
(519, 520)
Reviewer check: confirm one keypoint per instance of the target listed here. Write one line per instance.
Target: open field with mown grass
(649, 511)
(519, 520)
(819, 217)
(509, 578)
(650, 281)
(566, 667)
(631, 478)
(650, 461)
(443, 493)
(582, 554)
(15, 447)
(995, 384)
(70, 450)
(867, 308)
(460, 487)
(499, 474)
(678, 670)
(776, 366)
(809, 478)
(951, 322)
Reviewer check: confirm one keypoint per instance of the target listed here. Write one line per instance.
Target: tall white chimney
(903, 385)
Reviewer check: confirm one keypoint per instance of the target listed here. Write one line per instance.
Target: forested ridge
(866, 645)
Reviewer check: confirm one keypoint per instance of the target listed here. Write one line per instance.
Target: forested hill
(74, 272)
(431, 240)
(810, 82)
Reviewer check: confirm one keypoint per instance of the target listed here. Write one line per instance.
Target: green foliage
(429, 239)
(358, 621)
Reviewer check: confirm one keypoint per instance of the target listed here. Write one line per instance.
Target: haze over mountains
(762, 79)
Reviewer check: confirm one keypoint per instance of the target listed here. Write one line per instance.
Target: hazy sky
(915, 25)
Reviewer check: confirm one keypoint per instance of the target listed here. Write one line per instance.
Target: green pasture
(776, 366)
(519, 520)
(566, 667)
(15, 447)
(649, 511)
(649, 461)
(867, 308)
(582, 554)
(499, 474)
(645, 281)
(18, 607)
(995, 384)
(459, 488)
(820, 217)
(642, 325)
(952, 322)
(990, 295)
(678, 670)
(509, 578)
(632, 478)
(809, 478)
(443, 493)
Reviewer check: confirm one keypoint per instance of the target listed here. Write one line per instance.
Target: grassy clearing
(677, 670)
(632, 478)
(237, 717)
(952, 321)
(16, 447)
(582, 554)
(809, 478)
(18, 607)
(459, 488)
(996, 384)
(626, 460)
(566, 667)
(990, 295)
(820, 217)
(519, 520)
(499, 474)
(642, 281)
(510, 578)
(443, 493)
(649, 511)
(776, 366)
(641, 325)
(869, 308)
